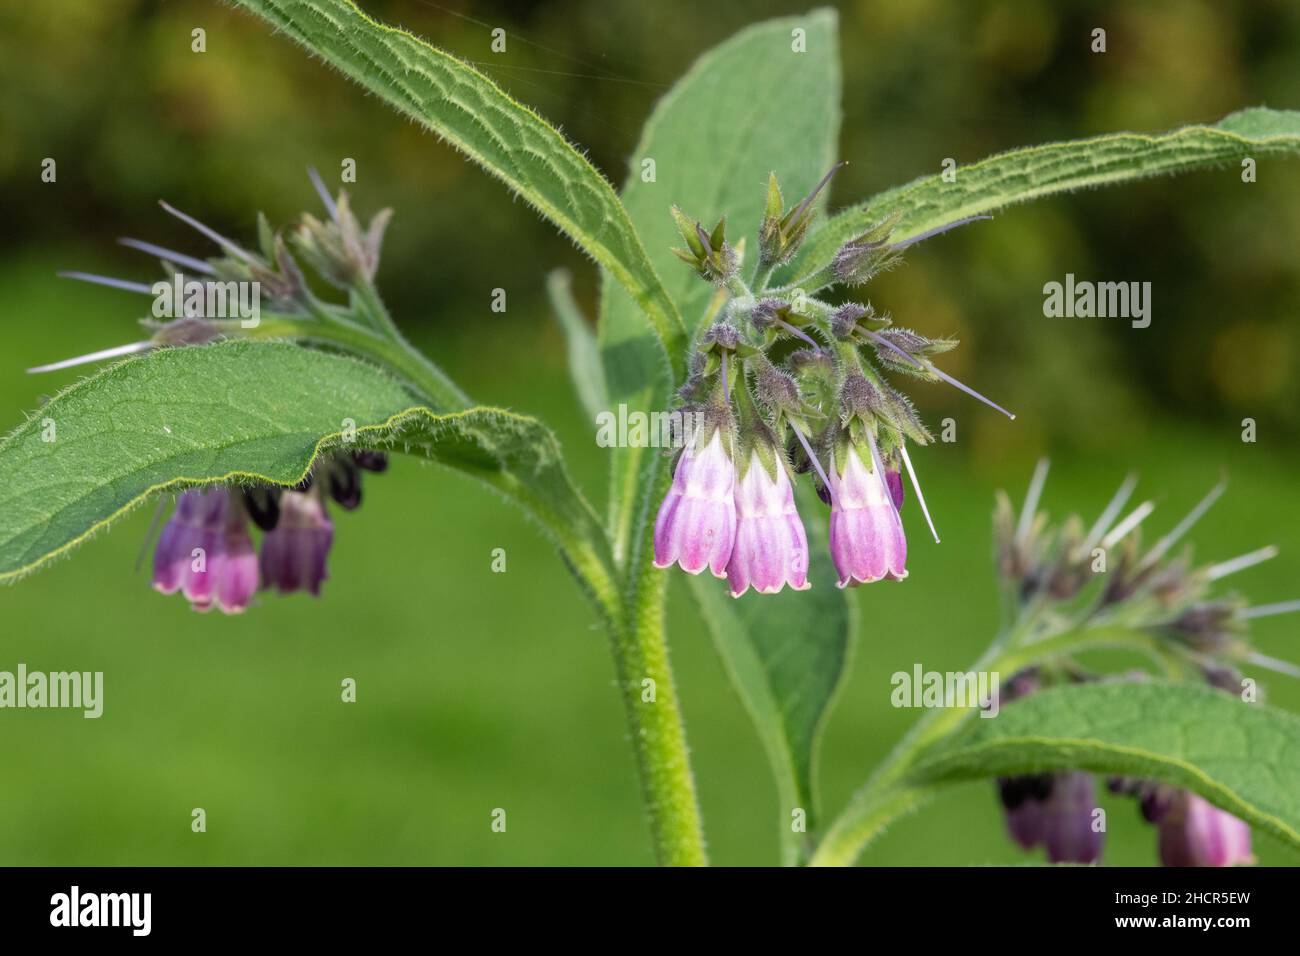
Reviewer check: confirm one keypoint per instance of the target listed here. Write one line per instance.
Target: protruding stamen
(930, 367)
(179, 258)
(704, 239)
(803, 206)
(324, 193)
(1275, 664)
(1032, 497)
(916, 486)
(817, 465)
(112, 283)
(798, 333)
(1135, 518)
(115, 352)
(937, 230)
(1161, 547)
(1109, 514)
(1269, 610)
(212, 234)
(1233, 565)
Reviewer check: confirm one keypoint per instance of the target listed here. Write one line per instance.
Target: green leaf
(243, 411)
(786, 654)
(1024, 174)
(585, 365)
(748, 107)
(1242, 757)
(510, 141)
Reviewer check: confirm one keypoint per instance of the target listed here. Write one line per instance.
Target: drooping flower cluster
(206, 549)
(787, 384)
(1076, 577)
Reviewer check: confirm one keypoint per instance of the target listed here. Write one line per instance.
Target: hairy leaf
(513, 143)
(748, 107)
(251, 412)
(785, 654)
(1242, 757)
(1023, 174)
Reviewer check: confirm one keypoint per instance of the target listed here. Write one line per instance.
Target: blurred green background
(479, 690)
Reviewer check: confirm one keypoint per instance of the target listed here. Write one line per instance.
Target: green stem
(636, 631)
(887, 794)
(655, 722)
(397, 355)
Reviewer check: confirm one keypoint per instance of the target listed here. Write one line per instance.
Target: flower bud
(707, 253)
(782, 233)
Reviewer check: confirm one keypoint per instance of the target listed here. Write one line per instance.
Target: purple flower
(206, 553)
(1068, 828)
(867, 541)
(771, 548)
(1056, 811)
(895, 482)
(294, 551)
(1194, 832)
(1022, 799)
(696, 526)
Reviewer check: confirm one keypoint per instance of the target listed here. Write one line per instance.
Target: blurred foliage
(111, 89)
(483, 709)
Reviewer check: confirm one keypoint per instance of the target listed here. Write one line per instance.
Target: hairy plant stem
(640, 650)
(889, 793)
(635, 625)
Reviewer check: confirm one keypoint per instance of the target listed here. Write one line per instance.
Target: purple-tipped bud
(1194, 832)
(777, 389)
(867, 541)
(696, 526)
(206, 553)
(845, 319)
(859, 397)
(771, 547)
(722, 334)
(764, 315)
(294, 554)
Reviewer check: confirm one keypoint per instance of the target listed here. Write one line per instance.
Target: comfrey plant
(731, 506)
(262, 413)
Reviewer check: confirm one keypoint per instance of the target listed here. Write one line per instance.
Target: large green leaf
(1024, 174)
(748, 107)
(245, 411)
(1242, 757)
(586, 369)
(460, 104)
(785, 654)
